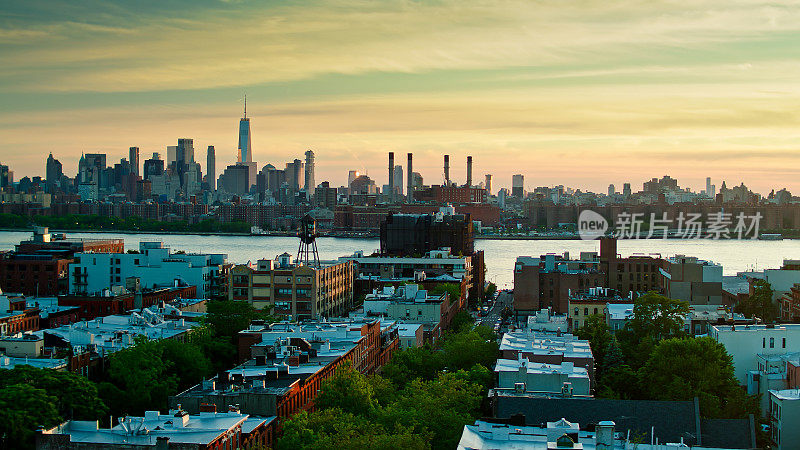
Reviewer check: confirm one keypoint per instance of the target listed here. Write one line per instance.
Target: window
(595, 310)
(772, 342)
(576, 311)
(783, 343)
(585, 311)
(763, 342)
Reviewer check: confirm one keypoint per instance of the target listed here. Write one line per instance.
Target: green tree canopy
(759, 303)
(681, 369)
(348, 390)
(655, 318)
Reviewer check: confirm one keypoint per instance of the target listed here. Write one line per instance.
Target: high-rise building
(133, 158)
(398, 179)
(235, 179)
(488, 184)
(53, 171)
(309, 182)
(153, 167)
(711, 190)
(211, 168)
(518, 186)
(351, 176)
(294, 174)
(626, 190)
(611, 190)
(245, 144)
(172, 155)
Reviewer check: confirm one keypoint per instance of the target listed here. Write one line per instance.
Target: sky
(581, 93)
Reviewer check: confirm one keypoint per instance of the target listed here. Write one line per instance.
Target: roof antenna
(245, 106)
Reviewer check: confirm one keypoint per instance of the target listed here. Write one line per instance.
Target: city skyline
(574, 95)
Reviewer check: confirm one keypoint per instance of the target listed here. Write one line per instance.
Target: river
(735, 256)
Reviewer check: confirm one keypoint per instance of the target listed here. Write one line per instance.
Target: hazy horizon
(581, 94)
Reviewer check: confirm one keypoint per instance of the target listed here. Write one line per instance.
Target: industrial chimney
(410, 187)
(447, 170)
(469, 171)
(391, 174)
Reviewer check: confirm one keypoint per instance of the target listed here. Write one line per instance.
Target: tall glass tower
(245, 146)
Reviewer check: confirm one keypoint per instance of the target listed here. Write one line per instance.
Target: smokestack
(391, 173)
(469, 171)
(447, 170)
(410, 187)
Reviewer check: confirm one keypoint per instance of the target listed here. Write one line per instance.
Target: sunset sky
(581, 93)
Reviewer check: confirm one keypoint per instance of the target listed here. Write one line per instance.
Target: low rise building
(410, 304)
(784, 415)
(692, 280)
(547, 348)
(594, 301)
(661, 421)
(175, 430)
(154, 265)
(560, 434)
(289, 363)
(545, 320)
(746, 342)
(522, 375)
(298, 291)
(546, 282)
(636, 273)
(120, 300)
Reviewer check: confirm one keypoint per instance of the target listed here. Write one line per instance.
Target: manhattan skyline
(582, 95)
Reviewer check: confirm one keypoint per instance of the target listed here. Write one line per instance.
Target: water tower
(308, 243)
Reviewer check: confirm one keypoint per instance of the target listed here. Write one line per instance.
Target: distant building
(211, 168)
(451, 194)
(236, 179)
(309, 179)
(409, 234)
(133, 158)
(585, 303)
(518, 186)
(637, 273)
(547, 348)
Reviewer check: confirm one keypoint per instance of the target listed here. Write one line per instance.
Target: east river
(735, 256)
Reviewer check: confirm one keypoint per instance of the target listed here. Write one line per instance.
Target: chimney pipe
(469, 171)
(447, 170)
(391, 173)
(410, 187)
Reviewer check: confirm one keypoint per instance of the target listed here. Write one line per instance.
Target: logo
(591, 225)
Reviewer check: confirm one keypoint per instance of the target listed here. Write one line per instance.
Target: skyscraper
(398, 179)
(245, 145)
(517, 185)
(611, 190)
(626, 190)
(309, 184)
(488, 184)
(211, 168)
(294, 173)
(133, 154)
(53, 172)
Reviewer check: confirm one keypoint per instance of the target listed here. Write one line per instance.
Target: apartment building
(294, 290)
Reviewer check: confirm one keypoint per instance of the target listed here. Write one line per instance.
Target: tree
(76, 397)
(349, 391)
(597, 332)
(228, 317)
(334, 428)
(462, 321)
(684, 368)
(443, 406)
(412, 363)
(465, 349)
(23, 408)
(488, 293)
(654, 319)
(453, 291)
(759, 303)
